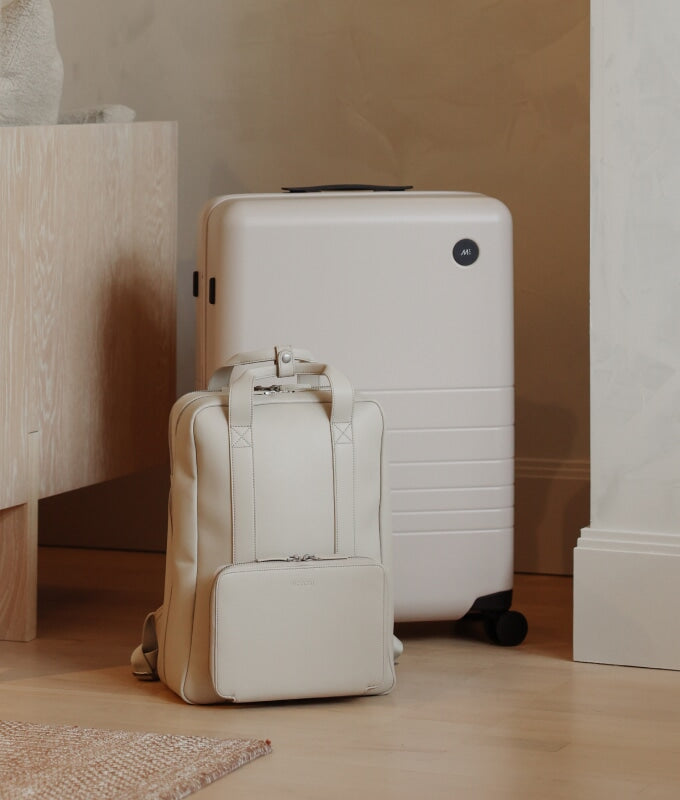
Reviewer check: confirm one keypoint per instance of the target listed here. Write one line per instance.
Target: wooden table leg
(19, 559)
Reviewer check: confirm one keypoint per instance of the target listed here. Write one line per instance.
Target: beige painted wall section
(444, 94)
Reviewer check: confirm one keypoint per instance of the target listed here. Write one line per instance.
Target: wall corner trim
(667, 543)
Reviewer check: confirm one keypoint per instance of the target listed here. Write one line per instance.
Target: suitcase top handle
(284, 356)
(242, 465)
(344, 187)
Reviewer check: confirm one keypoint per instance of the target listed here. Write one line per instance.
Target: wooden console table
(88, 229)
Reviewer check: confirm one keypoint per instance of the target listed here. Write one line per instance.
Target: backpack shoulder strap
(144, 659)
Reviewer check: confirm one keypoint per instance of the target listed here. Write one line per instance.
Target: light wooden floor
(467, 719)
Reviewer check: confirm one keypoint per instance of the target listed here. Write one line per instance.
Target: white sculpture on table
(32, 71)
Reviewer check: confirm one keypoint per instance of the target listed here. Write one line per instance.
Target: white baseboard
(626, 598)
(552, 504)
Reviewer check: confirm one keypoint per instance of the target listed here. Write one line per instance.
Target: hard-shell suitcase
(425, 279)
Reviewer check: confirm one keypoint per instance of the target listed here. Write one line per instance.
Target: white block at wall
(626, 598)
(627, 563)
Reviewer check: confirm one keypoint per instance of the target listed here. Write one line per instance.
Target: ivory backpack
(278, 562)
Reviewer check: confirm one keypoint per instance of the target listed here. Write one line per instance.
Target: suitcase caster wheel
(508, 629)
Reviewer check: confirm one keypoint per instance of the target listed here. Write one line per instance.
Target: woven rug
(49, 762)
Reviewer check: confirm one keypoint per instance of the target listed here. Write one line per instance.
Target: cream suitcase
(425, 280)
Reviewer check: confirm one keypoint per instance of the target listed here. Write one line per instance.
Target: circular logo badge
(465, 252)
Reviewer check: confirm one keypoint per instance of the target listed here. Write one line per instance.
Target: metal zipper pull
(304, 557)
(278, 388)
(267, 390)
(294, 557)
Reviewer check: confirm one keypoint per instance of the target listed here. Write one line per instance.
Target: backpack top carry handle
(242, 466)
(284, 357)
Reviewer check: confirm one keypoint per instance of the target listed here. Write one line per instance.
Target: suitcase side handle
(344, 187)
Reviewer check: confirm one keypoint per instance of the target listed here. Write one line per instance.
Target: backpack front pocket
(310, 628)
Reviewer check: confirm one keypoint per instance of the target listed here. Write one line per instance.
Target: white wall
(627, 565)
(478, 95)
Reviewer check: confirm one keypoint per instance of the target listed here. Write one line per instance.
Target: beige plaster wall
(481, 95)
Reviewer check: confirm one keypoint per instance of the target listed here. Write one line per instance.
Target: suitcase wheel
(508, 629)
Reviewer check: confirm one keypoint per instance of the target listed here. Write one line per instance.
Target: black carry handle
(345, 187)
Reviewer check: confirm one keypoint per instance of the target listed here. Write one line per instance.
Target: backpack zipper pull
(267, 390)
(304, 557)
